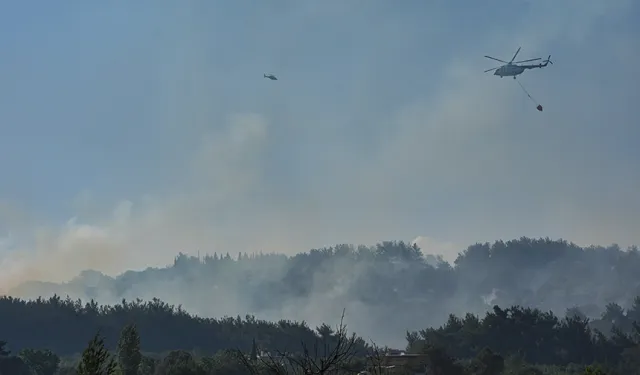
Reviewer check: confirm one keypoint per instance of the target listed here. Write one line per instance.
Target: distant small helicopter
(512, 70)
(271, 77)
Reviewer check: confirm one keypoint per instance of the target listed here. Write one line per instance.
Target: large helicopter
(510, 69)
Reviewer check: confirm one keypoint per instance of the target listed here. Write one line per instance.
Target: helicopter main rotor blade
(518, 62)
(488, 70)
(514, 56)
(493, 58)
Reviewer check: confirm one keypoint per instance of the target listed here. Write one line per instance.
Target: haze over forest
(386, 290)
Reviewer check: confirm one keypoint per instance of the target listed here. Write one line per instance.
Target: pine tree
(96, 360)
(129, 356)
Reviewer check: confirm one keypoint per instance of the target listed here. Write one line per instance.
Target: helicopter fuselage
(512, 70)
(509, 70)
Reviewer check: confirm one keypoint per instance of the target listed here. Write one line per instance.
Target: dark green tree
(325, 331)
(225, 362)
(129, 356)
(488, 363)
(96, 360)
(441, 363)
(179, 362)
(147, 366)
(42, 362)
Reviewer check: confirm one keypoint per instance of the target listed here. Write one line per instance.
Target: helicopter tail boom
(546, 62)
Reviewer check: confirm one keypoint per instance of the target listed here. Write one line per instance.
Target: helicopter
(271, 77)
(510, 69)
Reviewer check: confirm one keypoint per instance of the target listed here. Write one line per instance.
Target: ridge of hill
(391, 287)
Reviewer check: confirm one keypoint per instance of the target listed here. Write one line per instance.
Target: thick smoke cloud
(386, 290)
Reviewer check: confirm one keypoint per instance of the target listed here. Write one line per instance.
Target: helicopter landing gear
(514, 77)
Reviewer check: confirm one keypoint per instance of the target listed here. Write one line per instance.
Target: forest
(390, 287)
(526, 306)
(54, 336)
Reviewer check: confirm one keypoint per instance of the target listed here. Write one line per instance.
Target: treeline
(64, 326)
(512, 340)
(394, 284)
(540, 337)
(330, 351)
(389, 278)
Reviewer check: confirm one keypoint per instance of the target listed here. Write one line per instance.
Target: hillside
(391, 283)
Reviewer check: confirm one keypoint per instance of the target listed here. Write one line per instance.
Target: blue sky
(133, 130)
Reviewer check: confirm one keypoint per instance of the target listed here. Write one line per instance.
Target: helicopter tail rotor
(548, 60)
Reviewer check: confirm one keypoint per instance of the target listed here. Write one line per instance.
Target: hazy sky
(131, 130)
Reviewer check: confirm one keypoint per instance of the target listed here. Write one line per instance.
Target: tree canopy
(548, 302)
(524, 340)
